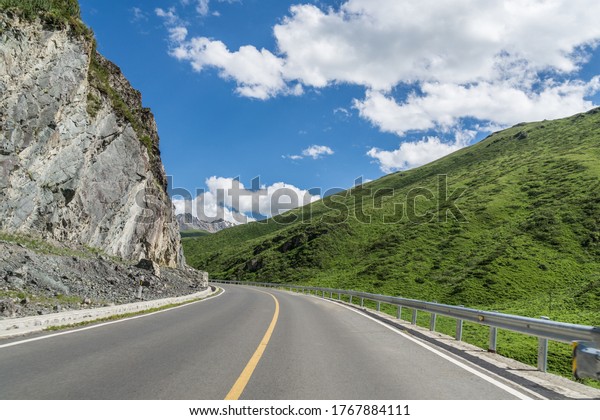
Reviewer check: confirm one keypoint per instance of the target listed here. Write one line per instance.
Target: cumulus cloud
(314, 152)
(497, 62)
(230, 200)
(257, 72)
(178, 33)
(382, 43)
(443, 105)
(412, 154)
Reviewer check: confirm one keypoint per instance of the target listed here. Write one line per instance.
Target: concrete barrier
(19, 326)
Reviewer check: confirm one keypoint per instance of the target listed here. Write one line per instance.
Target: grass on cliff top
(526, 240)
(55, 13)
(65, 9)
(59, 14)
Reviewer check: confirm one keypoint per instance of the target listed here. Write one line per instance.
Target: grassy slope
(194, 233)
(530, 244)
(65, 9)
(54, 13)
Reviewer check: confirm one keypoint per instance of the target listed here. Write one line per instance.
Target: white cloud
(496, 62)
(169, 15)
(441, 106)
(343, 113)
(381, 43)
(178, 33)
(412, 154)
(138, 14)
(202, 7)
(257, 72)
(229, 199)
(314, 152)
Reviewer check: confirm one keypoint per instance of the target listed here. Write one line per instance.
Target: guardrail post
(323, 293)
(493, 339)
(459, 328)
(378, 306)
(432, 322)
(350, 299)
(339, 296)
(399, 312)
(362, 302)
(414, 317)
(543, 352)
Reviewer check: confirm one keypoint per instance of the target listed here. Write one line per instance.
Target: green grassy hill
(522, 238)
(529, 230)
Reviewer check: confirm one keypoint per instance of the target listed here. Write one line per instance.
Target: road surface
(247, 343)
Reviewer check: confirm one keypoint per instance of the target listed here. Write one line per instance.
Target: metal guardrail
(543, 328)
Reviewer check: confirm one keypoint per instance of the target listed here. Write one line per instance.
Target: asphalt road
(317, 350)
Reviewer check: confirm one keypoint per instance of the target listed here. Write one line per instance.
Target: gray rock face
(74, 169)
(8, 309)
(53, 283)
(188, 222)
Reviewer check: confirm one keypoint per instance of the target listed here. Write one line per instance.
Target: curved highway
(247, 343)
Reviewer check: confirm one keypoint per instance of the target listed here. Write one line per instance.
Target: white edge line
(469, 369)
(104, 324)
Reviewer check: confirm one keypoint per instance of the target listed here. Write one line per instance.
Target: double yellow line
(246, 374)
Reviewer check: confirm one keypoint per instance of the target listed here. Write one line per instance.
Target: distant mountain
(188, 222)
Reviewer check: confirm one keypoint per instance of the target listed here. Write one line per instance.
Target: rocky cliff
(79, 157)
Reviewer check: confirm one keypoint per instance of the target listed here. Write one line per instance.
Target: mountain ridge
(188, 222)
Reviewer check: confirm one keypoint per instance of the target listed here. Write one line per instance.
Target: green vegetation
(59, 299)
(44, 247)
(194, 233)
(522, 237)
(99, 77)
(57, 14)
(64, 9)
(93, 105)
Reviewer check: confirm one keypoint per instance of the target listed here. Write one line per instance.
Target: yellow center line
(246, 374)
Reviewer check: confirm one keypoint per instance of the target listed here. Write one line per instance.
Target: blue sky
(314, 94)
